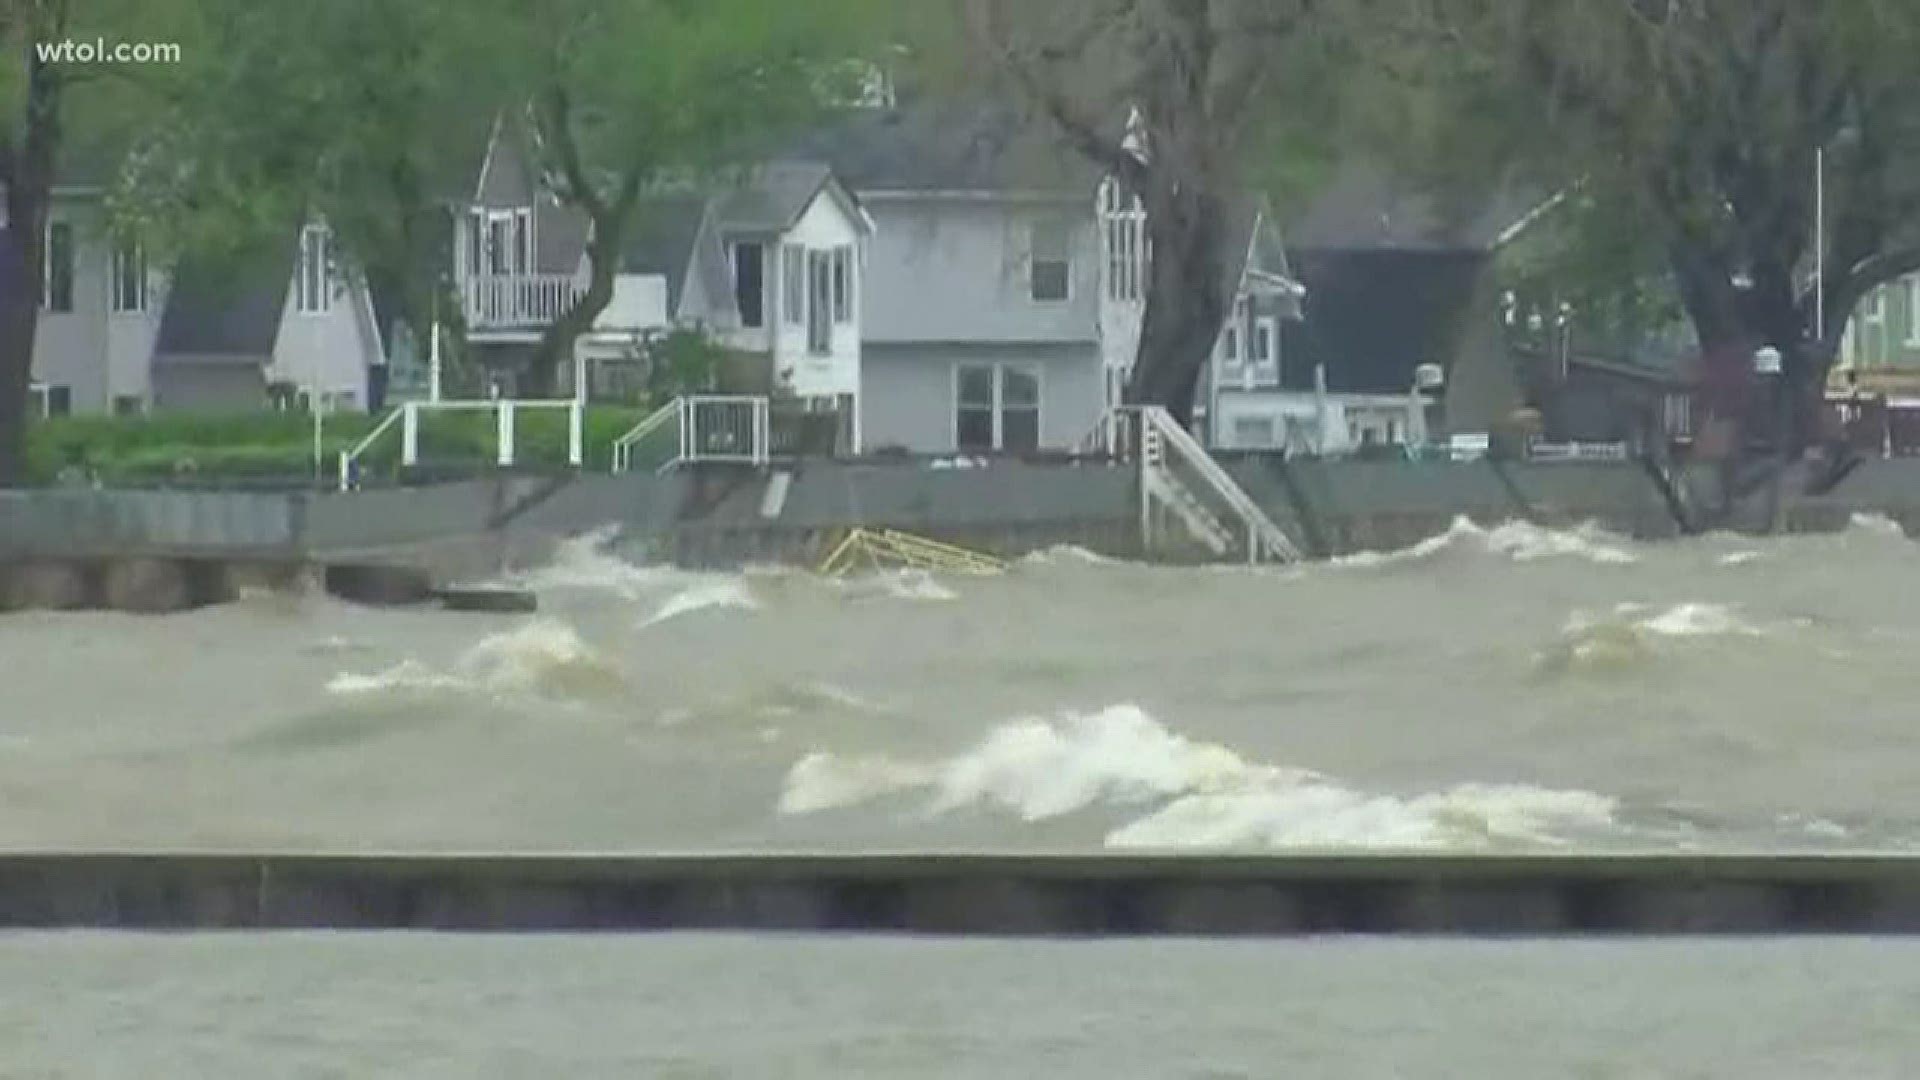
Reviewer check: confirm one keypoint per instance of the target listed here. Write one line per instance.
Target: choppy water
(98, 1006)
(1512, 689)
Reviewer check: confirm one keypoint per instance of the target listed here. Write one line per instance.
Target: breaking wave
(1519, 541)
(712, 594)
(913, 586)
(1877, 525)
(1067, 554)
(1176, 792)
(543, 657)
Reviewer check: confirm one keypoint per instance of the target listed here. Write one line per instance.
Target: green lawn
(279, 446)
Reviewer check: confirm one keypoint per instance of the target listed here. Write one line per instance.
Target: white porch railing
(1178, 476)
(507, 413)
(518, 301)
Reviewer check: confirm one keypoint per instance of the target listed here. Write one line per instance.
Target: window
(523, 241)
(313, 292)
(129, 285)
(996, 407)
(1230, 344)
(1266, 335)
(1677, 418)
(1913, 311)
(793, 277)
(58, 291)
(128, 405)
(973, 420)
(1050, 263)
(1125, 237)
(476, 244)
(819, 302)
(749, 284)
(57, 400)
(843, 284)
(1877, 306)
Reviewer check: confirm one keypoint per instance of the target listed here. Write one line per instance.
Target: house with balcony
(1007, 281)
(122, 330)
(768, 263)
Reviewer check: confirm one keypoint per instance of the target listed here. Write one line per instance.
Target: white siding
(823, 227)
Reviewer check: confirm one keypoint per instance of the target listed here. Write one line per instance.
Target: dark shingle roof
(225, 310)
(935, 147)
(664, 233)
(771, 198)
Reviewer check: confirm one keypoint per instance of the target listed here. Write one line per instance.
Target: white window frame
(123, 252)
(1876, 312)
(1000, 368)
(841, 271)
(793, 284)
(1266, 328)
(71, 262)
(1033, 261)
(1230, 350)
(313, 272)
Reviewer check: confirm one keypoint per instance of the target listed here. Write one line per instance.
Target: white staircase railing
(725, 428)
(1177, 475)
(656, 422)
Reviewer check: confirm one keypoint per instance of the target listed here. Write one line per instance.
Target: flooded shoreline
(1492, 690)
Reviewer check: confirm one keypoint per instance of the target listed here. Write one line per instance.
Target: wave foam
(543, 657)
(1195, 794)
(1877, 525)
(1066, 554)
(713, 594)
(1519, 541)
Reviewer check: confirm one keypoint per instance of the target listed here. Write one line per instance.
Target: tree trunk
(557, 344)
(26, 172)
(19, 316)
(1186, 304)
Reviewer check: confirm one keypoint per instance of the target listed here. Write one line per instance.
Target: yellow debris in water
(890, 549)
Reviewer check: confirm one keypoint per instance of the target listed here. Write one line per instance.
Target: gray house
(1007, 281)
(768, 263)
(983, 282)
(121, 332)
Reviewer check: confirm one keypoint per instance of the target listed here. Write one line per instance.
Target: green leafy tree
(47, 94)
(1690, 131)
(1211, 81)
(626, 95)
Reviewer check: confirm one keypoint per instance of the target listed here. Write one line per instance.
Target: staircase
(1181, 482)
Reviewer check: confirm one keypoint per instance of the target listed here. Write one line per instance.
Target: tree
(1204, 76)
(627, 95)
(1695, 126)
(358, 112)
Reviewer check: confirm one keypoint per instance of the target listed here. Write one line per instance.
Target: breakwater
(988, 895)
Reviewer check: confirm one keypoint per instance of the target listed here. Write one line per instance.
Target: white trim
(999, 368)
(1066, 230)
(320, 302)
(1913, 311)
(115, 280)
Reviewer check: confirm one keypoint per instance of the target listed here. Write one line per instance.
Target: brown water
(105, 1006)
(1513, 690)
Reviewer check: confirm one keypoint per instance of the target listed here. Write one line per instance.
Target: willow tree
(625, 95)
(1706, 129)
(1207, 80)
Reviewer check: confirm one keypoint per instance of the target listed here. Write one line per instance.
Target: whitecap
(1186, 793)
(714, 594)
(543, 656)
(1517, 540)
(1877, 525)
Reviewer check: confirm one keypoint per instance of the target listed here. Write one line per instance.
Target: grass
(138, 451)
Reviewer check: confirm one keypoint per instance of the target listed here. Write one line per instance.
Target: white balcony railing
(518, 301)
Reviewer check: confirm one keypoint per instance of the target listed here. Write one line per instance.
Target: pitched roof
(945, 147)
(1369, 208)
(220, 310)
(665, 230)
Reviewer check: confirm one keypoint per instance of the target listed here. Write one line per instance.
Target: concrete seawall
(162, 551)
(988, 895)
